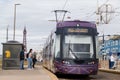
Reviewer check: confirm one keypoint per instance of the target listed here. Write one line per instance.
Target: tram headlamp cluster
(92, 62)
(65, 62)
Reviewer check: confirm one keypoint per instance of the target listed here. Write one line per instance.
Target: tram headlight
(91, 62)
(65, 62)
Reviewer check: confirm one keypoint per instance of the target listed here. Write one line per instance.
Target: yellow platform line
(51, 75)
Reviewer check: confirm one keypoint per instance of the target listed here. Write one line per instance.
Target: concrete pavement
(39, 73)
(110, 70)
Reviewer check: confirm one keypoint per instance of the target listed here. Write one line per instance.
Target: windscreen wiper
(69, 49)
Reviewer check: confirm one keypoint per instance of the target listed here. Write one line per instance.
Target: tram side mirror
(97, 33)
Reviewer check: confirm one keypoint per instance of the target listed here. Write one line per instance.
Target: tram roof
(76, 23)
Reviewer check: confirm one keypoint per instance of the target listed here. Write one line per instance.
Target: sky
(35, 15)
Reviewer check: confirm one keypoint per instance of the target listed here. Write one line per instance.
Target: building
(111, 45)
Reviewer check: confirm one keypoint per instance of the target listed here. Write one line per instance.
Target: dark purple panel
(76, 69)
(75, 23)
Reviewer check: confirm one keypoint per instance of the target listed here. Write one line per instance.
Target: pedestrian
(34, 59)
(113, 60)
(109, 58)
(29, 59)
(118, 56)
(22, 56)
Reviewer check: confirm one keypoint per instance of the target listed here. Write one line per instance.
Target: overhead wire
(93, 13)
(116, 16)
(89, 16)
(118, 13)
(106, 1)
(65, 4)
(63, 8)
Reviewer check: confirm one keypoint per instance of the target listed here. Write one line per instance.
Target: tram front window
(77, 47)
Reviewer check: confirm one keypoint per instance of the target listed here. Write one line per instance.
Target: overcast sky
(35, 15)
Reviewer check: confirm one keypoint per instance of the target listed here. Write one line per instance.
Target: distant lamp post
(7, 33)
(103, 44)
(14, 20)
(103, 36)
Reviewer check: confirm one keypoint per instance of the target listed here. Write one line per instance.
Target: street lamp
(103, 41)
(103, 38)
(14, 20)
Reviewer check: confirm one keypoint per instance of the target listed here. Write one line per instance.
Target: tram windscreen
(78, 46)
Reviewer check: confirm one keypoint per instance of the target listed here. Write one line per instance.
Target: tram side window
(57, 47)
(58, 54)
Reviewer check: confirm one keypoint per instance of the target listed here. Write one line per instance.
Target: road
(99, 76)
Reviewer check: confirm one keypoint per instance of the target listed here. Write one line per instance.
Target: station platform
(104, 66)
(116, 71)
(39, 73)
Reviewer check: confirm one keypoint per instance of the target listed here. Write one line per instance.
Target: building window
(112, 43)
(116, 42)
(108, 43)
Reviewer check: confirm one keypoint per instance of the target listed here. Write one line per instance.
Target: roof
(76, 23)
(12, 42)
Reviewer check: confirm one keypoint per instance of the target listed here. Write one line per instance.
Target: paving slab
(39, 73)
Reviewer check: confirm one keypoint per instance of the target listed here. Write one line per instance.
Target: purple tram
(71, 48)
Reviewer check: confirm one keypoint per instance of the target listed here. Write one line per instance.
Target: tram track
(69, 77)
